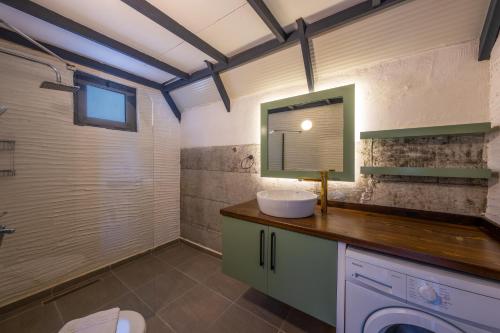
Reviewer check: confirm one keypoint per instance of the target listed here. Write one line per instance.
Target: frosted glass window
(105, 104)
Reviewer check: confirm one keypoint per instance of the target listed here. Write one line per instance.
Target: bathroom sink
(287, 203)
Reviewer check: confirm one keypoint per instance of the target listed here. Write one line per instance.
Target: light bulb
(306, 125)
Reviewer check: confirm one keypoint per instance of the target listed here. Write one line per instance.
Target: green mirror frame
(344, 92)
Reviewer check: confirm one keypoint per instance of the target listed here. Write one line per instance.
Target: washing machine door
(405, 320)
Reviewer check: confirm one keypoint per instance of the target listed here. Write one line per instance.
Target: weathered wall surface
(437, 87)
(83, 197)
(216, 177)
(493, 210)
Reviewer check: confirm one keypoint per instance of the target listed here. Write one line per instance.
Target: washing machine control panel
(452, 301)
(428, 293)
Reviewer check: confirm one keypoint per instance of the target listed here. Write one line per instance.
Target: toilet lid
(131, 322)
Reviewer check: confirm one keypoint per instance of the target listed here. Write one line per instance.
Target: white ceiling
(310, 11)
(232, 26)
(51, 34)
(406, 29)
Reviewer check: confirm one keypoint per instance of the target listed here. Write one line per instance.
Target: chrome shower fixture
(58, 85)
(3, 109)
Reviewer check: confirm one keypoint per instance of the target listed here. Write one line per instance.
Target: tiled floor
(178, 289)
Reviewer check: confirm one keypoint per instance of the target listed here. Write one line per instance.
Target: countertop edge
(435, 260)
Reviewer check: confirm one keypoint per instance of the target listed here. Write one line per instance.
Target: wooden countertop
(465, 248)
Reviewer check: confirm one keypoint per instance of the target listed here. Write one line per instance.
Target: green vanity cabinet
(304, 273)
(242, 243)
(297, 269)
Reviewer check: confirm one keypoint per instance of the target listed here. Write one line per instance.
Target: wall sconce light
(306, 125)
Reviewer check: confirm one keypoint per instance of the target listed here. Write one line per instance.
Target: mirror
(305, 134)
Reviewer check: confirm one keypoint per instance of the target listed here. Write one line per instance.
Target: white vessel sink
(287, 203)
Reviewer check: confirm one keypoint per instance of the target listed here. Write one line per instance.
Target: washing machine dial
(428, 293)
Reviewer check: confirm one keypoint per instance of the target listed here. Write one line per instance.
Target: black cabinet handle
(273, 251)
(261, 254)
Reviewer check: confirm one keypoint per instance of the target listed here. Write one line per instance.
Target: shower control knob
(428, 293)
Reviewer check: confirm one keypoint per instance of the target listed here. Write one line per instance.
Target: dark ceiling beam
(306, 53)
(172, 105)
(265, 14)
(333, 21)
(220, 86)
(78, 59)
(65, 23)
(87, 62)
(490, 31)
(156, 15)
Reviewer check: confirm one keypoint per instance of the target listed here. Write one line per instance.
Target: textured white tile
(83, 197)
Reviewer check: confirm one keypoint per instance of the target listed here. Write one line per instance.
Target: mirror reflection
(307, 137)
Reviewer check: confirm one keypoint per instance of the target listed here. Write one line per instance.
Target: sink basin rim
(311, 196)
(292, 207)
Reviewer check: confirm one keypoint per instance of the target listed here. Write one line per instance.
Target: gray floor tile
(226, 285)
(163, 289)
(193, 297)
(299, 322)
(239, 320)
(177, 254)
(200, 267)
(17, 310)
(130, 302)
(87, 300)
(140, 271)
(40, 319)
(195, 311)
(269, 309)
(155, 325)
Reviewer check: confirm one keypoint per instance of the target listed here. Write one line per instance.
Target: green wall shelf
(476, 173)
(428, 172)
(463, 129)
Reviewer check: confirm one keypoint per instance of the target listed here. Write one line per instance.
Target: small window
(104, 103)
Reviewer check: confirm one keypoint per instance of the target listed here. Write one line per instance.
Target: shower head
(3, 109)
(58, 86)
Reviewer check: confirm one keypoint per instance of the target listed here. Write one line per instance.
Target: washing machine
(387, 294)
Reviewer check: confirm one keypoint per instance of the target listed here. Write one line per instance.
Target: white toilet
(105, 321)
(131, 322)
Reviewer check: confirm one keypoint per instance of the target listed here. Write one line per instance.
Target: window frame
(82, 79)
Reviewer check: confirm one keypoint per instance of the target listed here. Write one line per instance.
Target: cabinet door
(244, 246)
(303, 273)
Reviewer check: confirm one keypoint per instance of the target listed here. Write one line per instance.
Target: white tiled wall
(83, 197)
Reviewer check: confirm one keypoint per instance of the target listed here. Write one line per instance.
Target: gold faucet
(323, 179)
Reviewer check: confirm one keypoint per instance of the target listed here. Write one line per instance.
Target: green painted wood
(428, 172)
(348, 95)
(305, 276)
(240, 246)
(428, 131)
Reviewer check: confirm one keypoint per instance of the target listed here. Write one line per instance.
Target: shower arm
(25, 57)
(68, 65)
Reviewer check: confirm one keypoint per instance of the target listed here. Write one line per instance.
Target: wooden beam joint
(220, 86)
(171, 103)
(346, 16)
(268, 18)
(306, 53)
(162, 19)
